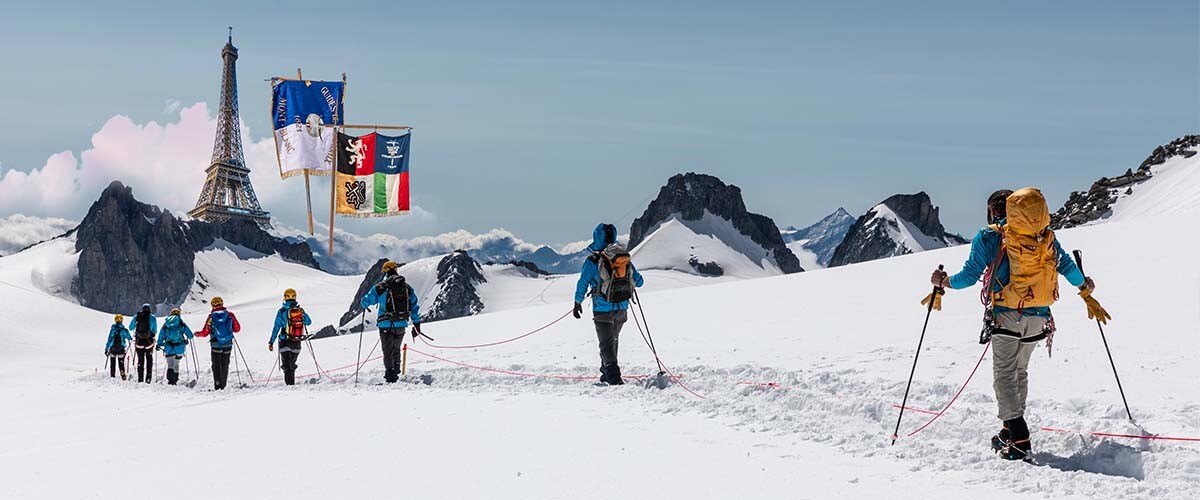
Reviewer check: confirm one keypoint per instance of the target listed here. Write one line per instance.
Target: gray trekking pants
(608, 333)
(1013, 343)
(173, 363)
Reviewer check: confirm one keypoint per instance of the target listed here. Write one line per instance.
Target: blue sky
(547, 117)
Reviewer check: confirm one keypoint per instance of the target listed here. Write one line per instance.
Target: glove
(578, 311)
(106, 353)
(416, 330)
(271, 346)
(1088, 284)
(158, 348)
(939, 279)
(936, 298)
(1095, 311)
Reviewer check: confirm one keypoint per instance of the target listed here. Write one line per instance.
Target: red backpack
(295, 322)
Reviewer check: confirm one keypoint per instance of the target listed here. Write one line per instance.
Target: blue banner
(305, 101)
(391, 154)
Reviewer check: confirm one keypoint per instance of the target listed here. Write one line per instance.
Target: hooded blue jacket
(589, 277)
(377, 298)
(280, 329)
(983, 250)
(118, 337)
(133, 322)
(174, 336)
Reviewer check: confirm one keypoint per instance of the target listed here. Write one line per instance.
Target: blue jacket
(133, 322)
(983, 251)
(280, 329)
(378, 299)
(174, 336)
(589, 277)
(118, 337)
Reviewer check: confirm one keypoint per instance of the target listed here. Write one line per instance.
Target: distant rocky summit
(822, 238)
(458, 274)
(901, 224)
(1096, 203)
(132, 253)
(689, 196)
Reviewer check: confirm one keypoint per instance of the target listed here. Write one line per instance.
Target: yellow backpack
(1028, 241)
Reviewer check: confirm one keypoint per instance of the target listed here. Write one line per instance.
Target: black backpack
(142, 330)
(395, 307)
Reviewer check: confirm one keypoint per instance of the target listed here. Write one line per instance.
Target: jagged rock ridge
(689, 196)
(1096, 203)
(901, 224)
(131, 253)
(458, 274)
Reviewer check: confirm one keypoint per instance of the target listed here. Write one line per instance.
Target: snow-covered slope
(837, 345)
(696, 246)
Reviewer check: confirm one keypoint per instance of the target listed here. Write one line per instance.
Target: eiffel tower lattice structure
(227, 193)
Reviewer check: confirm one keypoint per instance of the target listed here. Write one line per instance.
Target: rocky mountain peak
(132, 253)
(689, 196)
(901, 224)
(919, 210)
(458, 274)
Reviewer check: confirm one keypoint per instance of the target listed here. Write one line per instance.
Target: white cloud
(164, 163)
(172, 106)
(19, 231)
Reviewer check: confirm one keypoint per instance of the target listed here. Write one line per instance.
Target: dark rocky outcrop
(871, 237)
(689, 195)
(528, 266)
(458, 274)
(131, 253)
(706, 268)
(823, 237)
(1096, 203)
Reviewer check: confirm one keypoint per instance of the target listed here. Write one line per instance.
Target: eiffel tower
(227, 193)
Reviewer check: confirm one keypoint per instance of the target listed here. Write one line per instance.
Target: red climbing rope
(508, 372)
(957, 394)
(499, 342)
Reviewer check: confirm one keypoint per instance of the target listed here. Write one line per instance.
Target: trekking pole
(650, 338)
(1079, 262)
(362, 330)
(244, 362)
(195, 361)
(937, 290)
(237, 366)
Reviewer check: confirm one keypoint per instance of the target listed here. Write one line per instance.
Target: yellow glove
(1095, 311)
(936, 298)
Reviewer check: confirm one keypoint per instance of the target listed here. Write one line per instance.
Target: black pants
(608, 333)
(287, 362)
(392, 341)
(220, 366)
(116, 359)
(145, 364)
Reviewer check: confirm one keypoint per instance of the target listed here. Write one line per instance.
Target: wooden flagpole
(333, 176)
(307, 186)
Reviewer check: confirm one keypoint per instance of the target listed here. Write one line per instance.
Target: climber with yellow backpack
(1020, 259)
(291, 330)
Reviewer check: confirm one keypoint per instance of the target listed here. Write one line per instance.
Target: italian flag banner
(372, 175)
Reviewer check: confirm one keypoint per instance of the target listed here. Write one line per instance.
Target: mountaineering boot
(1017, 446)
(391, 376)
(1000, 438)
(289, 377)
(611, 375)
(172, 377)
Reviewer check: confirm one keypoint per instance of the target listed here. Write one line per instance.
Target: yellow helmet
(176, 312)
(389, 266)
(119, 319)
(217, 302)
(289, 294)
